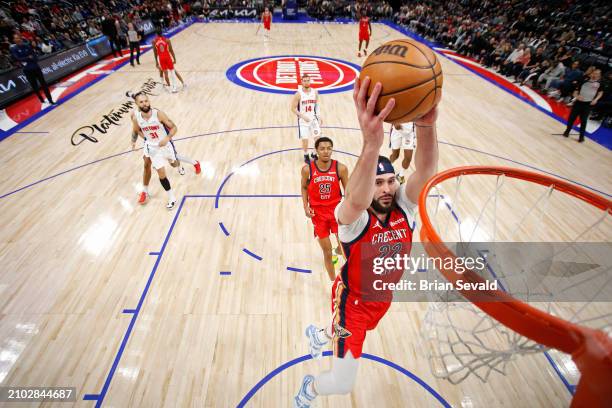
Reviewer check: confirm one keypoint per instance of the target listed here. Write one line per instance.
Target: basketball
(410, 72)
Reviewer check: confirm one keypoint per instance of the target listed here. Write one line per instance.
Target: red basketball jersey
(364, 23)
(378, 240)
(161, 46)
(267, 18)
(324, 186)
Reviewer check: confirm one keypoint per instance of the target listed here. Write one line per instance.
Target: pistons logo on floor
(281, 74)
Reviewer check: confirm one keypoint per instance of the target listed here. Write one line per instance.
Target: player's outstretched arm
(426, 155)
(361, 184)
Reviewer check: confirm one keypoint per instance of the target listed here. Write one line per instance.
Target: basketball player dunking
(305, 105)
(365, 32)
(266, 19)
(165, 59)
(157, 130)
(375, 219)
(321, 194)
(402, 137)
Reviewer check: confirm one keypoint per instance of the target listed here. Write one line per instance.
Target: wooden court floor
(128, 303)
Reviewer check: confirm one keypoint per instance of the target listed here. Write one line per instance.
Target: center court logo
(281, 74)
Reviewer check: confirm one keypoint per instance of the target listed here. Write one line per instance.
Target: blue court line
(289, 268)
(135, 315)
(570, 388)
(153, 253)
(225, 231)
(246, 251)
(289, 127)
(226, 179)
(99, 398)
(366, 356)
(225, 273)
(78, 91)
(606, 142)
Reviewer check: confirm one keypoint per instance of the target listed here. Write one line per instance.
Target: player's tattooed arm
(426, 155)
(305, 175)
(135, 131)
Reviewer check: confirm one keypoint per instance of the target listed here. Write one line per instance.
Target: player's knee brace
(165, 183)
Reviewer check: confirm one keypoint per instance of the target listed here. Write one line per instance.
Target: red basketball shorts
(352, 318)
(324, 222)
(165, 63)
(364, 36)
(267, 25)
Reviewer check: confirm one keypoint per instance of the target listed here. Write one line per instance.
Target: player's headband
(384, 166)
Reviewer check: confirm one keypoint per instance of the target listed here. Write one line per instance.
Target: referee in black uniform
(587, 95)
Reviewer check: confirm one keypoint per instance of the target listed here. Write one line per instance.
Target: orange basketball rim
(590, 349)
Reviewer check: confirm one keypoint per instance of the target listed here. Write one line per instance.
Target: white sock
(340, 379)
(145, 189)
(171, 195)
(185, 159)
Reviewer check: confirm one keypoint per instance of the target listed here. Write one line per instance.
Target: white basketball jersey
(308, 102)
(152, 128)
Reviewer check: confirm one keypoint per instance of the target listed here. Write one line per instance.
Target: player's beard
(380, 208)
(146, 109)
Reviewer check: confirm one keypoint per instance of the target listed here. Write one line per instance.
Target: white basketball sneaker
(315, 344)
(304, 398)
(181, 170)
(170, 204)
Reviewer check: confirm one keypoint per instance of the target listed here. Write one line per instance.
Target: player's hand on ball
(163, 142)
(371, 124)
(429, 119)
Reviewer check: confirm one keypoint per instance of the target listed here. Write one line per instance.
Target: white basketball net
(460, 340)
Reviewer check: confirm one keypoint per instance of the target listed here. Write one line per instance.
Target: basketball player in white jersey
(157, 130)
(402, 135)
(305, 105)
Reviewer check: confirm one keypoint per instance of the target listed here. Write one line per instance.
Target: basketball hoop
(461, 349)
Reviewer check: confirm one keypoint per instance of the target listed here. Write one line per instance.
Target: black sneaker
(566, 134)
(581, 139)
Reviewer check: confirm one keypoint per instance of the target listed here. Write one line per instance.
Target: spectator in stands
(602, 110)
(5, 59)
(533, 67)
(587, 95)
(23, 53)
(109, 29)
(508, 65)
(554, 72)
